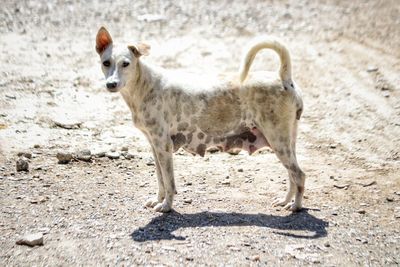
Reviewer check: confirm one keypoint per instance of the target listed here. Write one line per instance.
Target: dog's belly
(246, 137)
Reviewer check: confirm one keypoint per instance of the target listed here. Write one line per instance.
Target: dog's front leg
(161, 190)
(163, 154)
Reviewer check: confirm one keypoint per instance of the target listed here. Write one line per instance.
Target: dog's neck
(144, 80)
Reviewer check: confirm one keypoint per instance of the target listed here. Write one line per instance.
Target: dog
(246, 111)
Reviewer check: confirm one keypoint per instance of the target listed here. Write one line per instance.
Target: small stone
(124, 148)
(255, 258)
(240, 170)
(129, 155)
(150, 162)
(342, 186)
(389, 199)
(113, 155)
(64, 158)
(226, 183)
(361, 211)
(332, 146)
(327, 244)
(372, 69)
(25, 154)
(189, 258)
(36, 146)
(22, 165)
(213, 149)
(187, 200)
(85, 152)
(31, 240)
(86, 158)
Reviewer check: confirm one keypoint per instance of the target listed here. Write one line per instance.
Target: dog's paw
(162, 207)
(279, 202)
(293, 207)
(152, 202)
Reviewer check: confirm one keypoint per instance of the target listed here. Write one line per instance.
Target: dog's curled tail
(269, 43)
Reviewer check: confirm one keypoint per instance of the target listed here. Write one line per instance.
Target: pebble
(342, 186)
(25, 154)
(240, 170)
(327, 244)
(112, 155)
(124, 148)
(129, 155)
(390, 199)
(255, 258)
(86, 158)
(187, 200)
(64, 158)
(36, 146)
(372, 69)
(85, 152)
(31, 240)
(361, 211)
(22, 165)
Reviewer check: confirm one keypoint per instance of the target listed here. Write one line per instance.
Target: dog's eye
(125, 64)
(106, 63)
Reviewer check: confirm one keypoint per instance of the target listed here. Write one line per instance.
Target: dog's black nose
(111, 85)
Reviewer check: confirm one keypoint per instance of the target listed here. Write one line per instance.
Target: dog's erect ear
(103, 40)
(141, 49)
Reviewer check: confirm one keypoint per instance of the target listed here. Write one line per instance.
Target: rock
(64, 157)
(372, 69)
(86, 158)
(255, 258)
(129, 155)
(85, 152)
(327, 244)
(225, 183)
(150, 162)
(31, 240)
(25, 154)
(342, 186)
(36, 146)
(67, 124)
(124, 148)
(187, 200)
(389, 199)
(240, 170)
(213, 149)
(361, 211)
(84, 155)
(22, 165)
(112, 155)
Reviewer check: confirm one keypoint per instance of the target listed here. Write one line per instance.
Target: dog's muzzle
(111, 85)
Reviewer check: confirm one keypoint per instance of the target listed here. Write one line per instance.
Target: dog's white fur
(244, 111)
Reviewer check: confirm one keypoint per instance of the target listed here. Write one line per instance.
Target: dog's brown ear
(103, 40)
(141, 49)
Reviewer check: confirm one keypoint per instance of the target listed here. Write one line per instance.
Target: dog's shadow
(163, 226)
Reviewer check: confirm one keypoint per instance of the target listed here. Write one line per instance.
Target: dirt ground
(346, 59)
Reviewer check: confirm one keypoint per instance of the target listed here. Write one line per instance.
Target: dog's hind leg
(283, 142)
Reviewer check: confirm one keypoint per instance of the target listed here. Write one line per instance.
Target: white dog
(246, 112)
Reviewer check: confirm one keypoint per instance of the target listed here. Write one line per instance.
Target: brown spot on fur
(189, 137)
(151, 122)
(200, 135)
(178, 140)
(182, 126)
(300, 189)
(201, 149)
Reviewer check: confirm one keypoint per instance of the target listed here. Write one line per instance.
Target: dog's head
(118, 62)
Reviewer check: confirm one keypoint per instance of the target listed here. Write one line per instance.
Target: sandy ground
(346, 58)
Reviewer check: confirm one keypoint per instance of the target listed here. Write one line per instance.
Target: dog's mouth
(113, 90)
